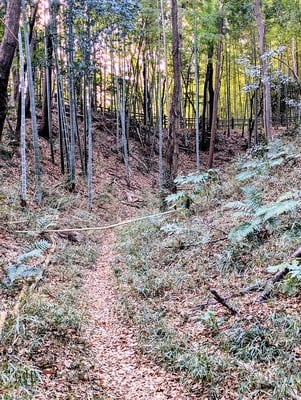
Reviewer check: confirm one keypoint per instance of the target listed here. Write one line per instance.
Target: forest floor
(67, 335)
(121, 369)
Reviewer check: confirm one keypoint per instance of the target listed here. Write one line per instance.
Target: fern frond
(42, 245)
(18, 271)
(286, 196)
(245, 175)
(235, 205)
(253, 198)
(198, 178)
(273, 210)
(242, 231)
(36, 249)
(173, 198)
(295, 270)
(30, 254)
(45, 222)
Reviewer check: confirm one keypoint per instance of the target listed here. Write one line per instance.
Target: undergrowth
(233, 228)
(42, 316)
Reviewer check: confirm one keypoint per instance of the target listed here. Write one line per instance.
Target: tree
(175, 110)
(217, 86)
(7, 50)
(267, 108)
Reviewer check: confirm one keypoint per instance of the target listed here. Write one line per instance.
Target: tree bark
(267, 108)
(45, 125)
(7, 50)
(217, 86)
(208, 86)
(175, 110)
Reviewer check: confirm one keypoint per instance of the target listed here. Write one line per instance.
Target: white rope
(100, 228)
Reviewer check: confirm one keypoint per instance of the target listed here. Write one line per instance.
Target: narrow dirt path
(122, 371)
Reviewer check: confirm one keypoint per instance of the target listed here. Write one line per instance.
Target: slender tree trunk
(23, 126)
(228, 96)
(33, 109)
(88, 112)
(123, 121)
(267, 109)
(159, 102)
(197, 100)
(31, 39)
(175, 110)
(165, 56)
(72, 95)
(217, 86)
(208, 88)
(7, 50)
(45, 126)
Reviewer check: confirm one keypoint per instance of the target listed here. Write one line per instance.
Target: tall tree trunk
(23, 125)
(197, 99)
(175, 110)
(72, 94)
(33, 109)
(217, 86)
(45, 126)
(165, 57)
(7, 50)
(208, 87)
(32, 43)
(267, 109)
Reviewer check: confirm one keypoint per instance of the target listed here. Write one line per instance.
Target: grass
(168, 264)
(44, 326)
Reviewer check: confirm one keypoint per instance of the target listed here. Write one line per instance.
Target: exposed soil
(121, 370)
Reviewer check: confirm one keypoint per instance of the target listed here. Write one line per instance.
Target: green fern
(30, 254)
(42, 245)
(294, 268)
(195, 184)
(175, 197)
(251, 203)
(36, 249)
(45, 222)
(275, 209)
(248, 174)
(20, 270)
(265, 158)
(261, 214)
(243, 231)
(197, 178)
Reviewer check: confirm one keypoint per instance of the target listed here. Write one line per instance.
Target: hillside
(214, 291)
(135, 312)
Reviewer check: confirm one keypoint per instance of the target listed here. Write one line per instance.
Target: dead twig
(222, 301)
(242, 292)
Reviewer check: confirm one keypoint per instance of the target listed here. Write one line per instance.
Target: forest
(150, 199)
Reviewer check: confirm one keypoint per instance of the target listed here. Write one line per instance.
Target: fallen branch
(267, 292)
(242, 292)
(276, 278)
(222, 301)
